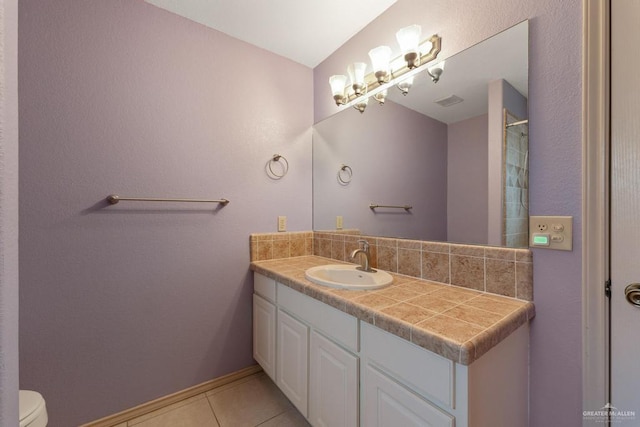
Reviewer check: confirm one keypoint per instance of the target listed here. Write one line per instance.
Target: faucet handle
(365, 245)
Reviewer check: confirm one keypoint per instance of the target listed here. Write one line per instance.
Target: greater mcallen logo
(609, 413)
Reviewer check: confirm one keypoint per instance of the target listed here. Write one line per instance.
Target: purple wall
(467, 181)
(9, 364)
(384, 147)
(123, 304)
(555, 113)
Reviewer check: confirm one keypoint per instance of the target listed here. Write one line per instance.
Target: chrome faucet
(364, 259)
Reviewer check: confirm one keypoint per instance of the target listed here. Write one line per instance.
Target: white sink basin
(348, 277)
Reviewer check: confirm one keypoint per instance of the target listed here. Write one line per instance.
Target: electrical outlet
(282, 223)
(339, 222)
(551, 232)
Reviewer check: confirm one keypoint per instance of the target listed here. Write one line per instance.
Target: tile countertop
(457, 323)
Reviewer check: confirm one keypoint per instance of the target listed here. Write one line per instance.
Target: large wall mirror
(455, 152)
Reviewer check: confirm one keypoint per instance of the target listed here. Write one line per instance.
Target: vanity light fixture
(436, 71)
(387, 72)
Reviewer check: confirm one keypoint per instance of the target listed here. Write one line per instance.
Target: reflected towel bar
(405, 207)
(113, 199)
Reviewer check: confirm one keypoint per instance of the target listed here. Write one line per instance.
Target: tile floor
(249, 402)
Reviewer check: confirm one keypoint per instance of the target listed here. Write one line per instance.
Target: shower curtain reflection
(515, 182)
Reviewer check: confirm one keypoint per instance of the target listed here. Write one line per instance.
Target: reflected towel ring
(284, 165)
(345, 174)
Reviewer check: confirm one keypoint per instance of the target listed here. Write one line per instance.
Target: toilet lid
(30, 402)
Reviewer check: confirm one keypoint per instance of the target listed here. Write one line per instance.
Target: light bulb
(409, 41)
(356, 73)
(362, 104)
(338, 83)
(435, 71)
(405, 85)
(381, 97)
(380, 58)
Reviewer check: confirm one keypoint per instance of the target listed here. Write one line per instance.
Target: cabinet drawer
(265, 287)
(427, 373)
(387, 404)
(332, 322)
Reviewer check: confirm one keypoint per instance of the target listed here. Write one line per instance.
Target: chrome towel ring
(283, 165)
(345, 174)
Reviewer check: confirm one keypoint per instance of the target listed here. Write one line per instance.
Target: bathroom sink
(348, 277)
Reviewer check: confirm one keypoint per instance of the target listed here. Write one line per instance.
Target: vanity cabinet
(340, 371)
(316, 365)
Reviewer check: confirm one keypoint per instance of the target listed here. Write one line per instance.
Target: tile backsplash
(502, 271)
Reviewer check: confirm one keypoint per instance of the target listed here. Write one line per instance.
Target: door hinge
(607, 288)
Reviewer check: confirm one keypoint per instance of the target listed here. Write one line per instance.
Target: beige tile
(291, 418)
(469, 250)
(454, 294)
(467, 271)
(524, 281)
(474, 315)
(280, 249)
(248, 404)
(398, 293)
(435, 266)
(265, 250)
(337, 250)
(297, 247)
(308, 246)
(409, 244)
(435, 342)
(431, 303)
(421, 287)
(393, 325)
(166, 409)
(197, 413)
(323, 247)
(407, 312)
(438, 247)
(493, 305)
(386, 242)
(500, 253)
(374, 300)
(454, 329)
(387, 258)
(409, 262)
(524, 255)
(501, 277)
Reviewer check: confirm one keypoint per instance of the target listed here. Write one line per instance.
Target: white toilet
(33, 411)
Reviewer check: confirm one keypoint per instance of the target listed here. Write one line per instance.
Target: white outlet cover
(558, 228)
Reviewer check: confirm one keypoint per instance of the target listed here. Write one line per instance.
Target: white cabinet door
(333, 384)
(387, 404)
(293, 360)
(264, 335)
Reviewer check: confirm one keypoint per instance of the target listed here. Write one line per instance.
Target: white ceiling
(303, 31)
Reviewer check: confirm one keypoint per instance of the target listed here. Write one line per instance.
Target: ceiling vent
(449, 101)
